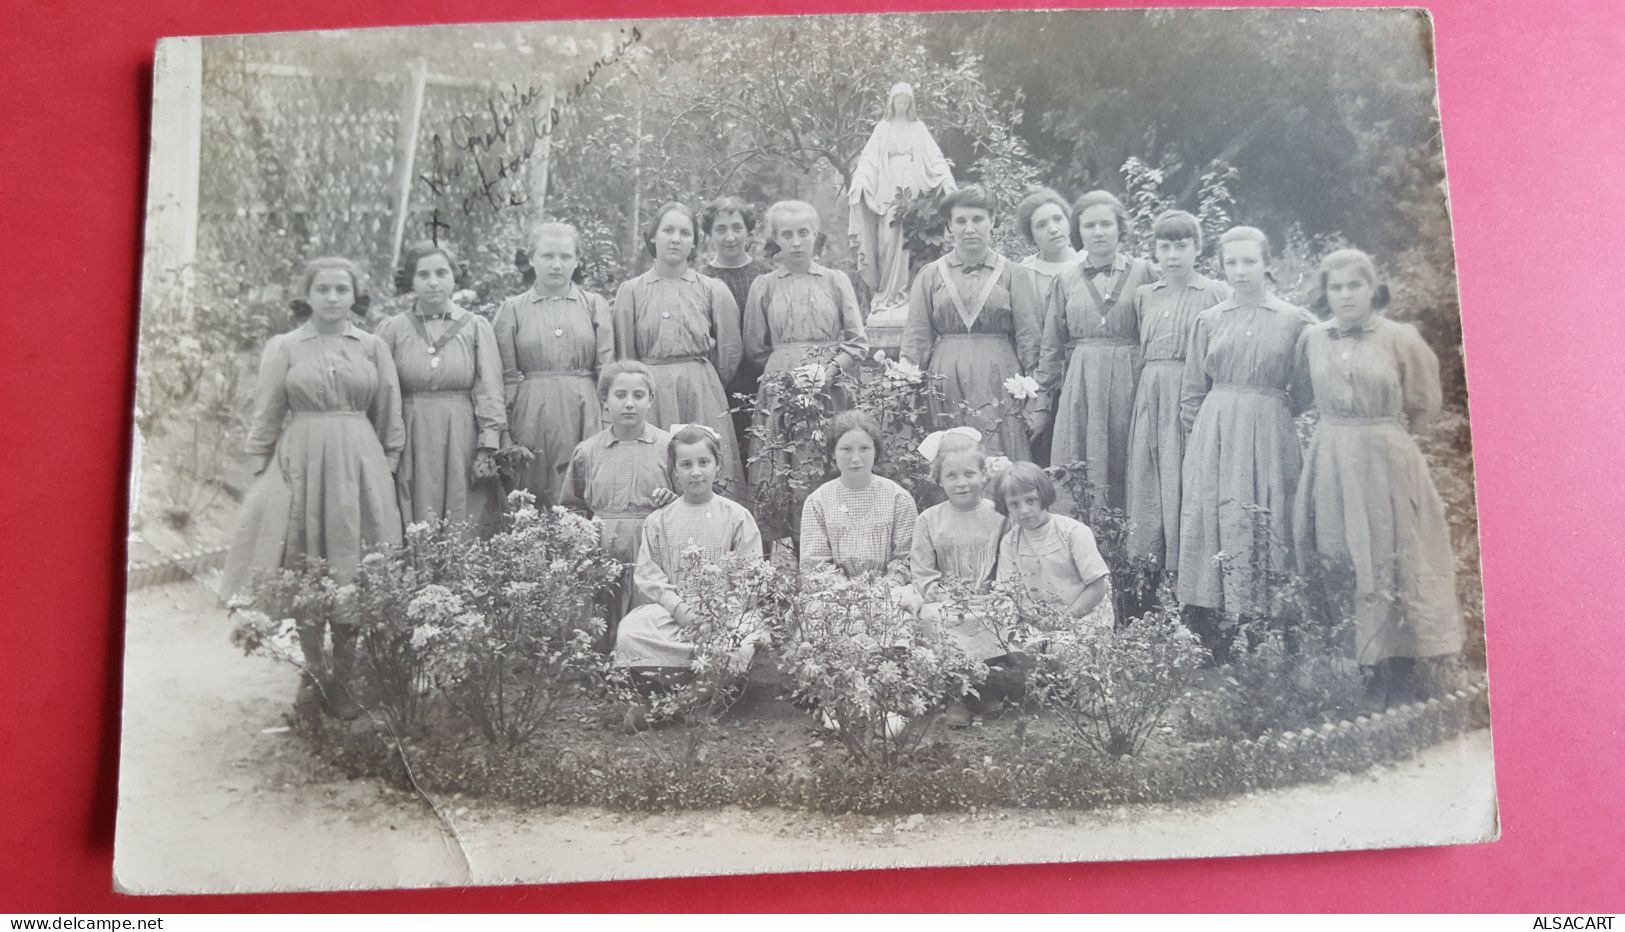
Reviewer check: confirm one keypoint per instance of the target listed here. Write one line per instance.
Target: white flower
(903, 371)
(1021, 387)
(423, 634)
(464, 296)
(996, 465)
(434, 602)
(880, 355)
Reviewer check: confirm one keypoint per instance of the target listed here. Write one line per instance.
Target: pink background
(1534, 130)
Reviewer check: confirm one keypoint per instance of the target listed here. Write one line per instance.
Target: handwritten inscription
(482, 158)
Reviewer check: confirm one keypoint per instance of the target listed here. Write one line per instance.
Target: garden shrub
(518, 632)
(500, 627)
(857, 656)
(734, 605)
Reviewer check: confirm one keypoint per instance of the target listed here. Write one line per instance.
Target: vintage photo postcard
(591, 450)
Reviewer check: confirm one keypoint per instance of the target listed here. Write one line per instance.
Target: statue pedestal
(885, 328)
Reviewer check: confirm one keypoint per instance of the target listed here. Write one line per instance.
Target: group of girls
(1178, 393)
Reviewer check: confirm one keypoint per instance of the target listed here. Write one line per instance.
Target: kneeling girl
(651, 636)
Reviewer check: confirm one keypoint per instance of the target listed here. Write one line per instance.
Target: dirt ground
(216, 796)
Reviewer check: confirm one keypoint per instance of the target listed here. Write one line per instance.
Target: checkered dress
(869, 530)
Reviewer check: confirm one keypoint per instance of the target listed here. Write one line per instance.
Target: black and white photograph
(589, 450)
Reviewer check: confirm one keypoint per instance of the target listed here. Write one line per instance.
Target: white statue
(900, 155)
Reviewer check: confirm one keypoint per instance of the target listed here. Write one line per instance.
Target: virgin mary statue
(900, 155)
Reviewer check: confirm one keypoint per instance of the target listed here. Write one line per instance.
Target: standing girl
(451, 388)
(685, 326)
(1366, 496)
(1045, 219)
(1091, 352)
(650, 636)
(1241, 451)
(1156, 449)
(799, 310)
(553, 339)
(621, 474)
(858, 523)
(729, 224)
(325, 437)
(973, 318)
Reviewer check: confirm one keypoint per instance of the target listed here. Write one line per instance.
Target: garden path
(214, 797)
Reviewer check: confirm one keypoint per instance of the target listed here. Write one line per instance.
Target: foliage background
(1324, 133)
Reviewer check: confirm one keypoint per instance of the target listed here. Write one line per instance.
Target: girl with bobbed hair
(1090, 363)
(974, 319)
(1241, 450)
(554, 339)
(324, 438)
(685, 327)
(451, 390)
(1365, 496)
(1166, 310)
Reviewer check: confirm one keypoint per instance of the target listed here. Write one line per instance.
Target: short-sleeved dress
(325, 438)
(976, 325)
(552, 349)
(687, 330)
(789, 315)
(451, 406)
(1058, 562)
(613, 478)
(1089, 367)
(1366, 495)
(745, 379)
(1241, 450)
(649, 635)
(859, 531)
(951, 543)
(1156, 444)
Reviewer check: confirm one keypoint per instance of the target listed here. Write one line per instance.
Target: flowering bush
(732, 606)
(896, 393)
(499, 626)
(794, 448)
(397, 590)
(1109, 688)
(857, 656)
(1113, 688)
(520, 626)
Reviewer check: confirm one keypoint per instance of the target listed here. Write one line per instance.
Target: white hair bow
(928, 446)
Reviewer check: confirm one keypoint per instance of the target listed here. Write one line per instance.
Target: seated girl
(1053, 556)
(650, 638)
(958, 540)
(857, 523)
